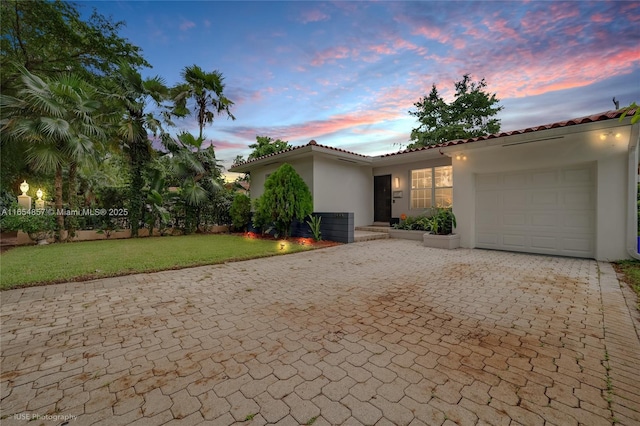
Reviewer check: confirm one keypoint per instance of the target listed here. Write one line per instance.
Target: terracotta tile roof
(608, 115)
(311, 143)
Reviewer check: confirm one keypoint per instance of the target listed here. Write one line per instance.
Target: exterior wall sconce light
(604, 136)
(396, 182)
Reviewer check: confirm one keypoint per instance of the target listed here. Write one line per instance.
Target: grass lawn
(631, 271)
(54, 263)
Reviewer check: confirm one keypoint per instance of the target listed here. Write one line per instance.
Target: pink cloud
(223, 144)
(314, 16)
(318, 128)
(502, 28)
(601, 19)
(330, 55)
(382, 49)
(534, 76)
(574, 30)
(433, 33)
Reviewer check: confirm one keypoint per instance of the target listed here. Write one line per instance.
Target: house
(566, 188)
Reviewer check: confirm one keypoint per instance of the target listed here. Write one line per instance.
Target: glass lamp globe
(24, 187)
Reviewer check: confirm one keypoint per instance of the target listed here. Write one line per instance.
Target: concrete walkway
(383, 332)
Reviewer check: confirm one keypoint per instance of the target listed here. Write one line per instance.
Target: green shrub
(38, 225)
(412, 223)
(441, 222)
(7, 199)
(437, 220)
(240, 211)
(286, 197)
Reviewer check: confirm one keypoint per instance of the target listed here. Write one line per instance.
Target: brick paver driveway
(384, 332)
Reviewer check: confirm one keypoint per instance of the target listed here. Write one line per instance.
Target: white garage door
(549, 211)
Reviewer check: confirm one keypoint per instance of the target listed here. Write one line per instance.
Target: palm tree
(197, 171)
(57, 121)
(207, 90)
(132, 94)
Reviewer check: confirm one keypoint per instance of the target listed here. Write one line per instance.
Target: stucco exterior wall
(343, 187)
(303, 166)
(609, 157)
(403, 173)
(611, 208)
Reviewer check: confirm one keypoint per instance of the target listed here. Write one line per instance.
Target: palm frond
(44, 157)
(193, 194)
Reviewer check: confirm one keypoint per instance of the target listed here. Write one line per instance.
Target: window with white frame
(432, 187)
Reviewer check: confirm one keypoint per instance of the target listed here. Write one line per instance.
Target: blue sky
(345, 73)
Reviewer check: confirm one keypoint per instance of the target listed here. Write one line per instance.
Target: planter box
(9, 238)
(441, 241)
(405, 234)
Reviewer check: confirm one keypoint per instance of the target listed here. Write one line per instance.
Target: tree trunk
(72, 199)
(58, 202)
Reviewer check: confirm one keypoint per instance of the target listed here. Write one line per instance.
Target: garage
(546, 211)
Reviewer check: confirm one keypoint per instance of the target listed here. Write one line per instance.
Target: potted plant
(38, 224)
(440, 230)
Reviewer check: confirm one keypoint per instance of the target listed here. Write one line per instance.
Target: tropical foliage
(206, 90)
(470, 114)
(437, 220)
(314, 224)
(57, 122)
(76, 110)
(38, 225)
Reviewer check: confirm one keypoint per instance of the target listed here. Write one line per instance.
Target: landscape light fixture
(39, 194)
(24, 187)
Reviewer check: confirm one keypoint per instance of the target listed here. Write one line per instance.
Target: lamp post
(39, 201)
(24, 200)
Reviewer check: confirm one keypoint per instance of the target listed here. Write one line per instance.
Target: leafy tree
(207, 90)
(240, 211)
(131, 95)
(217, 211)
(264, 146)
(471, 114)
(286, 197)
(55, 121)
(48, 37)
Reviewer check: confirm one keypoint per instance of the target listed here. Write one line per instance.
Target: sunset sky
(345, 73)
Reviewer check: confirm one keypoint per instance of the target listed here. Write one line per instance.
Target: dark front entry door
(382, 199)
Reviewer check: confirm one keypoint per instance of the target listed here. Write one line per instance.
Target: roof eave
(300, 151)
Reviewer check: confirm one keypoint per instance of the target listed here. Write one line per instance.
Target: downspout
(632, 198)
